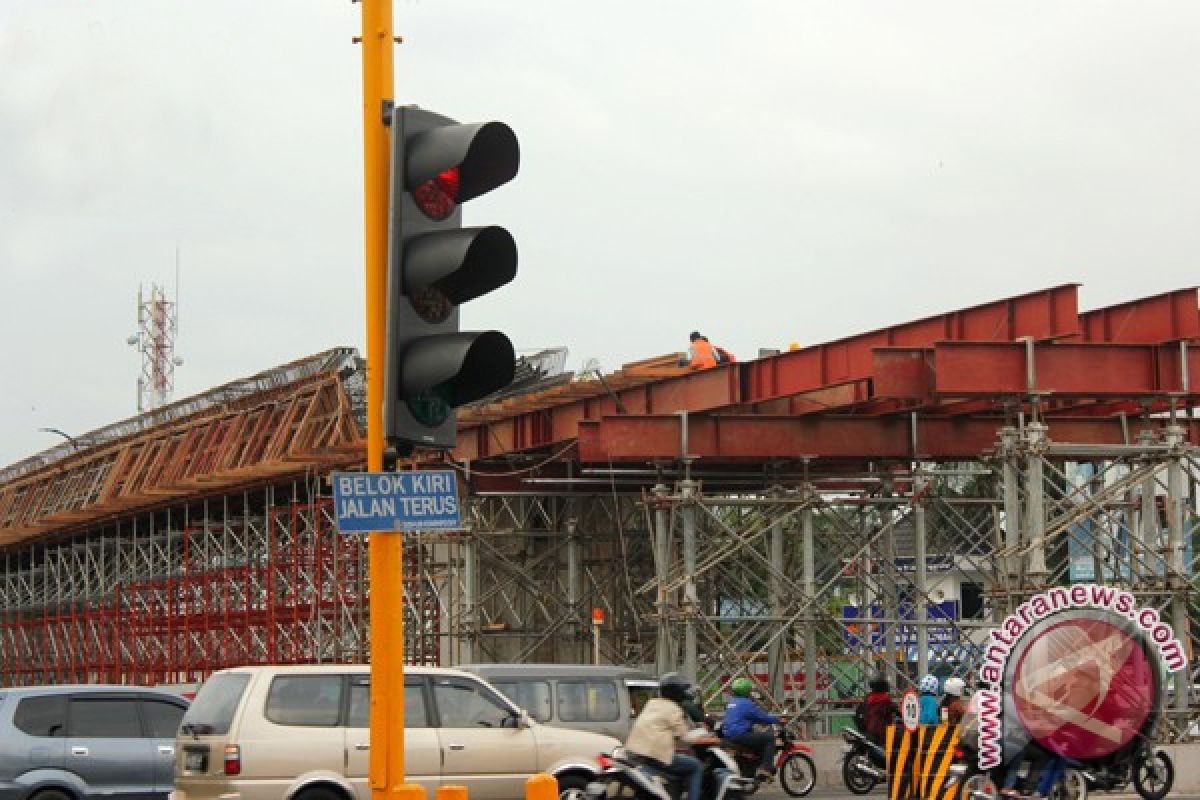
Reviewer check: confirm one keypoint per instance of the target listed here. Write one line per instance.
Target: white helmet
(955, 686)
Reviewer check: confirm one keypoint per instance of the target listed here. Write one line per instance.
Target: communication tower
(158, 326)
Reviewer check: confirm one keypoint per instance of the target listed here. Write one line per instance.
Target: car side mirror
(524, 720)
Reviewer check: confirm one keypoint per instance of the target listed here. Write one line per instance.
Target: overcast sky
(762, 171)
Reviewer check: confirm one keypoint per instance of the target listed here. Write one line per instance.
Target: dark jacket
(955, 708)
(879, 713)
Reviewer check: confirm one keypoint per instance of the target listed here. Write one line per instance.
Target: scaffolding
(809, 581)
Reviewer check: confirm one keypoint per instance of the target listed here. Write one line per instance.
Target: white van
(303, 733)
(588, 697)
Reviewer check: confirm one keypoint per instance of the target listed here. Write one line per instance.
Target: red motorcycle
(793, 762)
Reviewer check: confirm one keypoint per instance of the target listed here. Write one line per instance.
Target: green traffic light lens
(430, 407)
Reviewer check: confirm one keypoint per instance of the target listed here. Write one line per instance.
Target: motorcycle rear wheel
(1072, 786)
(857, 781)
(978, 786)
(797, 774)
(1154, 776)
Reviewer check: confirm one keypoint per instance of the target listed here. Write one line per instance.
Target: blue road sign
(396, 501)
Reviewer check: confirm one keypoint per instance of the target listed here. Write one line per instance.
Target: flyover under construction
(873, 502)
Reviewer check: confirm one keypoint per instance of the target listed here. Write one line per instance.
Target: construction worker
(703, 354)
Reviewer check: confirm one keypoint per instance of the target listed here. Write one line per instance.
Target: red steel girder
(1046, 314)
(1088, 370)
(733, 438)
(1161, 318)
(697, 391)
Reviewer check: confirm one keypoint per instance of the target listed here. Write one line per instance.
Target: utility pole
(385, 550)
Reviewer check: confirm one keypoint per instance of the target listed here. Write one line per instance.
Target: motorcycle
(793, 762)
(863, 762)
(627, 776)
(1150, 769)
(976, 784)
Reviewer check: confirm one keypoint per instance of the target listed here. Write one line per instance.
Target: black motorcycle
(976, 784)
(863, 762)
(627, 776)
(1150, 769)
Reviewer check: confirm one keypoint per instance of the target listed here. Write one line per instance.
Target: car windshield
(213, 709)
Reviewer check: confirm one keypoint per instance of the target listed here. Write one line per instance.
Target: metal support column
(1176, 572)
(1035, 493)
(664, 658)
(1009, 442)
(921, 612)
(690, 600)
(1146, 542)
(578, 626)
(810, 596)
(777, 650)
(470, 612)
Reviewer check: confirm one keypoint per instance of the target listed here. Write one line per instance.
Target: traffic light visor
(450, 164)
(458, 367)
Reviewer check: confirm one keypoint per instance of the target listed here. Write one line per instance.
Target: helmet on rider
(879, 683)
(674, 686)
(928, 685)
(955, 686)
(741, 687)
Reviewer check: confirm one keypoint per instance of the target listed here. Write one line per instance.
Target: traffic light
(434, 266)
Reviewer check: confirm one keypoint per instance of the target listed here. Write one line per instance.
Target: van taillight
(233, 759)
(604, 761)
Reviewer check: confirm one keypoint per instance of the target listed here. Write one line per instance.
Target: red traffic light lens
(438, 197)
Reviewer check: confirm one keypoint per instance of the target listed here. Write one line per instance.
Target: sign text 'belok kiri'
(396, 501)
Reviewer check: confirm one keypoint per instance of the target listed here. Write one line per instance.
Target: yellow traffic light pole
(386, 550)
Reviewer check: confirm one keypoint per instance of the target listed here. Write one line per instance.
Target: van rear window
(215, 704)
(588, 701)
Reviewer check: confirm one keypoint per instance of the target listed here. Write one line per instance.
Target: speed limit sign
(910, 710)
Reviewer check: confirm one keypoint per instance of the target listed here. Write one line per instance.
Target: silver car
(87, 742)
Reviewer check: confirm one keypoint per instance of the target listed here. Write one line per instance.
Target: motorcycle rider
(878, 710)
(928, 687)
(953, 703)
(741, 715)
(656, 728)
